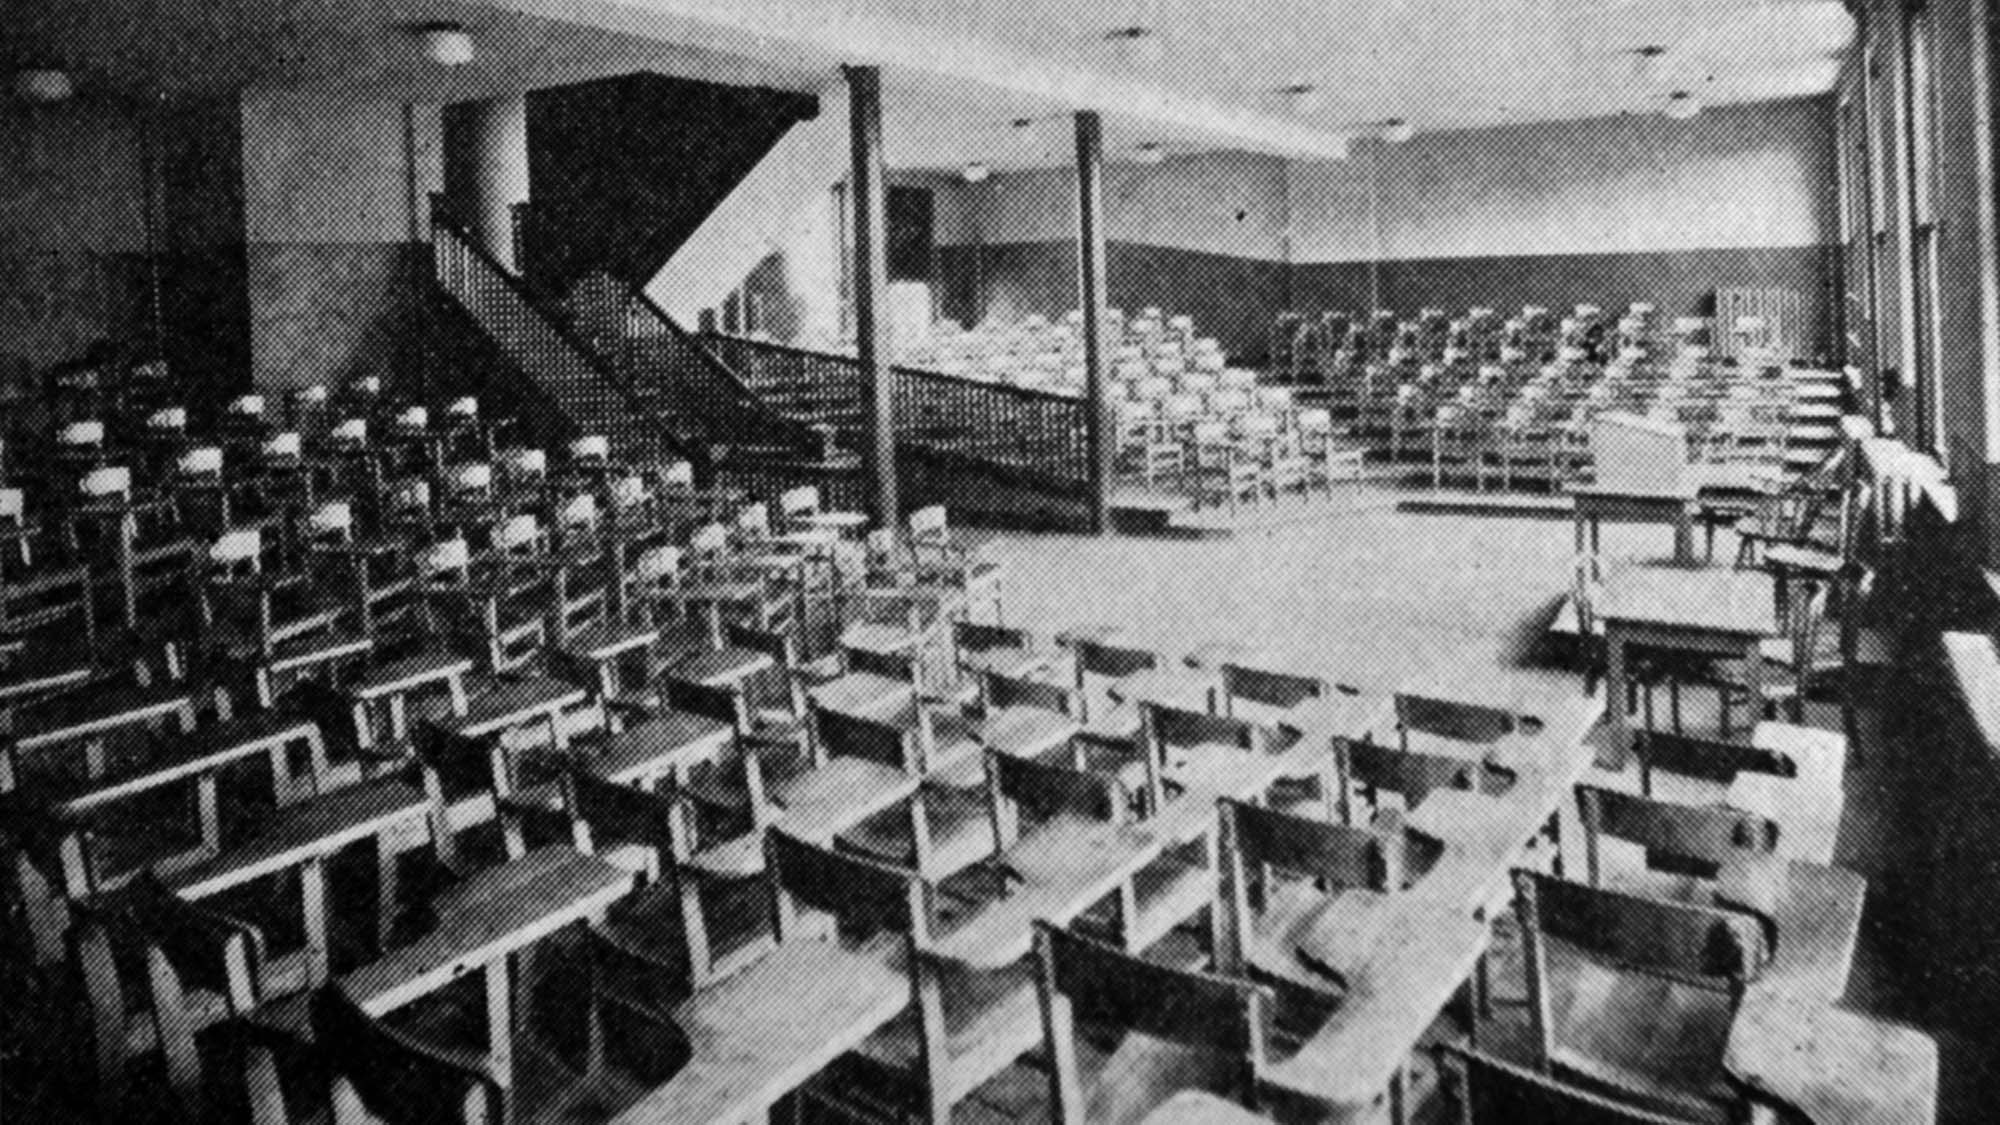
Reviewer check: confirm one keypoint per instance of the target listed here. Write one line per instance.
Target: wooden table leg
(1684, 535)
(387, 890)
(1614, 697)
(312, 901)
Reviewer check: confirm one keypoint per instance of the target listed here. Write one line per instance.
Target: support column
(486, 168)
(871, 286)
(1090, 297)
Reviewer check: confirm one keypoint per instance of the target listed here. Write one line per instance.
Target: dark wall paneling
(1232, 299)
(910, 212)
(326, 311)
(55, 303)
(1681, 282)
(204, 304)
(625, 168)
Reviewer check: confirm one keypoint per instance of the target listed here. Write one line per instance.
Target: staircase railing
(595, 397)
(1036, 436)
(660, 354)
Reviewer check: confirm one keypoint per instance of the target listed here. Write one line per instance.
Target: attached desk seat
(757, 1035)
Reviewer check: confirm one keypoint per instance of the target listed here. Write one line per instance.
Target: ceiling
(958, 72)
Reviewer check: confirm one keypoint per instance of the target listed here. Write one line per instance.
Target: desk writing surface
(514, 703)
(1733, 602)
(1401, 969)
(523, 901)
(300, 832)
(760, 1033)
(403, 675)
(1057, 872)
(1837, 1067)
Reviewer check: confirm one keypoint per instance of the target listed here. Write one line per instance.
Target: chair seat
(959, 824)
(1027, 732)
(757, 1034)
(991, 1019)
(821, 802)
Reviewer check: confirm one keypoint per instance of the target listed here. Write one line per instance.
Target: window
(1923, 329)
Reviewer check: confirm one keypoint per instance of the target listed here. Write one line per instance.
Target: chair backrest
(977, 636)
(1447, 718)
(841, 734)
(1110, 659)
(395, 1077)
(1039, 791)
(1270, 689)
(1001, 691)
(1080, 979)
(1411, 773)
(866, 895)
(1691, 839)
(1703, 758)
(1178, 726)
(722, 702)
(1698, 945)
(1495, 1092)
(604, 813)
(1335, 855)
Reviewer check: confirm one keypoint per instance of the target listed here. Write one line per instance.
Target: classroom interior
(1164, 562)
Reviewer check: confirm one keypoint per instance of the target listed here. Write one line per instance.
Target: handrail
(535, 340)
(1025, 432)
(715, 380)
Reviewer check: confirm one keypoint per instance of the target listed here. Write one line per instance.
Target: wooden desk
(1595, 506)
(303, 837)
(1713, 612)
(668, 745)
(519, 704)
(1189, 689)
(1834, 1066)
(1064, 868)
(525, 901)
(1402, 958)
(397, 681)
(761, 1033)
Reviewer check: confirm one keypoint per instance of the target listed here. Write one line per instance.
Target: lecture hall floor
(1372, 596)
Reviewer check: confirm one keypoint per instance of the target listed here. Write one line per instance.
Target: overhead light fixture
(1397, 131)
(1149, 153)
(1304, 97)
(446, 44)
(976, 172)
(44, 84)
(1682, 105)
(1647, 64)
(1137, 45)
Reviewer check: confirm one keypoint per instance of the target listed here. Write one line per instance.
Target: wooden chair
(1641, 1004)
(700, 915)
(1276, 871)
(942, 829)
(381, 1076)
(150, 962)
(1495, 1092)
(1711, 760)
(1032, 719)
(939, 558)
(1212, 1027)
(1411, 774)
(760, 1034)
(1679, 840)
(478, 614)
(1195, 751)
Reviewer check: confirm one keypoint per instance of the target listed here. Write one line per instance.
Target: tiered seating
(1511, 401)
(783, 827)
(1188, 421)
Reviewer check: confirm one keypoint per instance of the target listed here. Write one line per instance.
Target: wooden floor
(1371, 596)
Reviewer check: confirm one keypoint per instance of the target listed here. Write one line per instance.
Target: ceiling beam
(829, 33)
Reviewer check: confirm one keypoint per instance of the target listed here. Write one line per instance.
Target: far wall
(336, 212)
(1609, 210)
